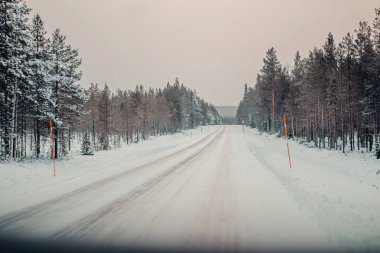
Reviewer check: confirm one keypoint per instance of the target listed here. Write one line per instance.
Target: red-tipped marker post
(287, 143)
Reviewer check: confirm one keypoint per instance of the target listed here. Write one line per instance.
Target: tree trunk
(358, 130)
(93, 132)
(323, 130)
(14, 122)
(293, 133)
(69, 138)
(342, 122)
(55, 154)
(273, 103)
(38, 138)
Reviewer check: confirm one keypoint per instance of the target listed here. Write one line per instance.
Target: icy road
(219, 189)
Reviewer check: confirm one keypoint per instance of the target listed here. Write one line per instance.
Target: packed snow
(219, 187)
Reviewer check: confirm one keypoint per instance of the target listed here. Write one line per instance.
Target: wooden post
(287, 142)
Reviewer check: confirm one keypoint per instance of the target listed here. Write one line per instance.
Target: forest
(331, 97)
(39, 83)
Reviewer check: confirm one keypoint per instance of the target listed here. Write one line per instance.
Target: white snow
(341, 192)
(25, 184)
(220, 189)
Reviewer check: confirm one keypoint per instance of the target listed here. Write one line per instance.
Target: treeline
(39, 78)
(330, 98)
(132, 115)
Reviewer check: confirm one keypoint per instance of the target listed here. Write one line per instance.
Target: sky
(212, 46)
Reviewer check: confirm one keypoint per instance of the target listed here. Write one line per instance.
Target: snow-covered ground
(220, 189)
(25, 184)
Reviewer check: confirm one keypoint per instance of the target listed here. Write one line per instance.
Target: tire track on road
(92, 222)
(217, 222)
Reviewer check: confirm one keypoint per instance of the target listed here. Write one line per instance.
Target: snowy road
(221, 190)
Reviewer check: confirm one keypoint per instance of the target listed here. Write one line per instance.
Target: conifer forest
(40, 81)
(331, 97)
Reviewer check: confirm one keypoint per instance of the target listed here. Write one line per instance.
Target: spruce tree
(267, 87)
(42, 107)
(14, 70)
(68, 96)
(366, 80)
(86, 148)
(105, 115)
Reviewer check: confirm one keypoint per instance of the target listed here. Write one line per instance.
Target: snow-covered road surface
(221, 189)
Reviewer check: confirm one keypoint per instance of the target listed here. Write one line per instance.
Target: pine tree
(68, 96)
(14, 70)
(294, 95)
(376, 31)
(267, 86)
(376, 43)
(91, 116)
(366, 75)
(347, 67)
(105, 115)
(86, 148)
(329, 57)
(177, 106)
(42, 106)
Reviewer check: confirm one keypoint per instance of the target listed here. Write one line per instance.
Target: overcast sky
(213, 47)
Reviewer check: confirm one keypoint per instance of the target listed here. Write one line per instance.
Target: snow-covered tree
(333, 94)
(42, 107)
(14, 70)
(39, 82)
(105, 114)
(86, 148)
(68, 96)
(267, 87)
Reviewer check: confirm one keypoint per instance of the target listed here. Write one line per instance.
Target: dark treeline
(39, 78)
(331, 98)
(136, 114)
(228, 120)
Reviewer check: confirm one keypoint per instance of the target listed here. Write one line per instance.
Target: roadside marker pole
(52, 145)
(287, 142)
